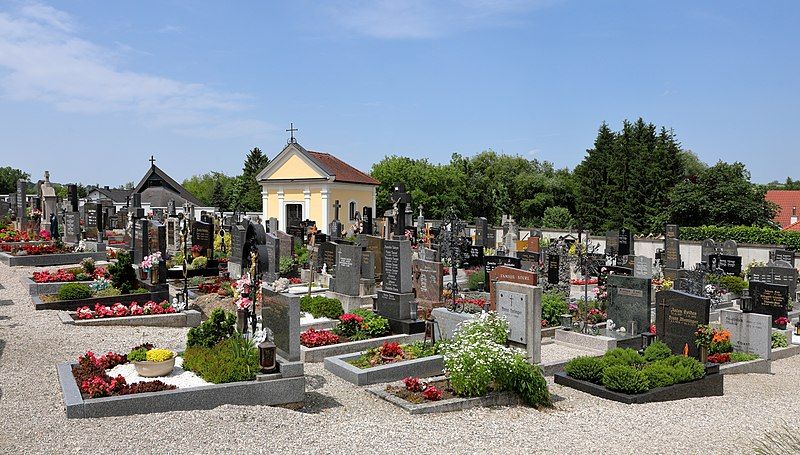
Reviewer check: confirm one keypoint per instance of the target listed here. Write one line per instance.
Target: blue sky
(90, 89)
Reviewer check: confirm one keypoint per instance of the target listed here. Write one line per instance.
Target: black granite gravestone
(677, 317)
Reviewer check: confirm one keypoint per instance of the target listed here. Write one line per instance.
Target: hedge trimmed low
(743, 234)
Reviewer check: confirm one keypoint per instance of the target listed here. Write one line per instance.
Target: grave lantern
(566, 321)
(797, 328)
(414, 307)
(647, 339)
(746, 301)
(266, 356)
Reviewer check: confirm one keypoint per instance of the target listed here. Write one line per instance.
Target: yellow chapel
(301, 184)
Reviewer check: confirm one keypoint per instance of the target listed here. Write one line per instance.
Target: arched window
(352, 210)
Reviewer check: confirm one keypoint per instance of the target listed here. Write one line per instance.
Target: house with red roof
(300, 184)
(788, 202)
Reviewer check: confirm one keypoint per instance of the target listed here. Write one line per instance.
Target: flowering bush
(596, 316)
(44, 234)
(33, 250)
(413, 384)
(93, 381)
(349, 324)
(391, 350)
(150, 261)
(312, 338)
(119, 310)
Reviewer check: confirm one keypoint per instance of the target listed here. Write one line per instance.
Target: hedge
(743, 234)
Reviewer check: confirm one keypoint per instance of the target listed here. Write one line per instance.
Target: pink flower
(243, 303)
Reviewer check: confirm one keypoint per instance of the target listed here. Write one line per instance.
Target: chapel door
(294, 215)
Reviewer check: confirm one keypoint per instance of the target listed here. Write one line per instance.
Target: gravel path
(342, 418)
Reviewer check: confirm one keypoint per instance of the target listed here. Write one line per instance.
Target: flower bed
(57, 258)
(93, 381)
(342, 367)
(626, 376)
(118, 309)
(156, 294)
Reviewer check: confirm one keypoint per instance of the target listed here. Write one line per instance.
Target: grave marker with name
(397, 266)
(492, 262)
(629, 304)
(750, 332)
(521, 305)
(348, 270)
(770, 299)
(509, 275)
(677, 316)
(428, 280)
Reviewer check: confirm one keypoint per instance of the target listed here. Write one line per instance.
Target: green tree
(557, 218)
(204, 187)
(721, 195)
(218, 197)
(9, 177)
(255, 162)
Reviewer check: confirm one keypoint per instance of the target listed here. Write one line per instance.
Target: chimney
(793, 219)
(106, 187)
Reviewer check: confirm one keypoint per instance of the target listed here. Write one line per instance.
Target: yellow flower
(159, 355)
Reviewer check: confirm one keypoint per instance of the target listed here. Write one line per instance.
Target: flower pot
(147, 369)
(781, 326)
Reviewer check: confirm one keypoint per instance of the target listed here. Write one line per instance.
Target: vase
(703, 354)
(241, 321)
(154, 275)
(148, 369)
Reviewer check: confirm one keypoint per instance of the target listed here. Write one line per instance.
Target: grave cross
(336, 207)
(291, 131)
(152, 160)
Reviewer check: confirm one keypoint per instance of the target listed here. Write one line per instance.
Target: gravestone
(72, 197)
(5, 209)
(156, 237)
(272, 225)
(553, 268)
(397, 266)
(272, 250)
(326, 256)
(481, 231)
(750, 332)
(612, 243)
(430, 254)
(508, 275)
(142, 241)
(173, 235)
(774, 274)
(533, 244)
(528, 260)
(492, 262)
(629, 304)
(428, 280)
(730, 248)
(238, 249)
(335, 226)
(707, 249)
(521, 305)
(677, 316)
(367, 265)
(474, 256)
(770, 299)
(72, 227)
(90, 220)
(642, 267)
(203, 236)
(348, 270)
(731, 265)
(281, 315)
(287, 243)
(374, 244)
(368, 226)
(625, 242)
(22, 188)
(782, 255)
(672, 253)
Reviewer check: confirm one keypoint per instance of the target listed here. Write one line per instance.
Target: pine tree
(592, 181)
(253, 164)
(218, 198)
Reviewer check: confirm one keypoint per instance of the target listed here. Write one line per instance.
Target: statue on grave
(53, 226)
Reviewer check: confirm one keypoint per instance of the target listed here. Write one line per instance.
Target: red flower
(721, 357)
(312, 338)
(432, 393)
(413, 384)
(392, 349)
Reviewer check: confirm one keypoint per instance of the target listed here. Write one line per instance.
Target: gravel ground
(342, 418)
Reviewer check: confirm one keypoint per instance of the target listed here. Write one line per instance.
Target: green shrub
(139, 291)
(778, 340)
(527, 380)
(87, 264)
(286, 266)
(74, 291)
(375, 327)
(476, 280)
(108, 292)
(656, 351)
(123, 277)
(137, 355)
(684, 369)
(586, 368)
(321, 307)
(659, 375)
(625, 379)
(232, 360)
(743, 234)
(734, 284)
(619, 356)
(742, 357)
(219, 326)
(200, 262)
(554, 304)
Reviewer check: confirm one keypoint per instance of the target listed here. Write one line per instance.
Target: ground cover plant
(94, 382)
(119, 310)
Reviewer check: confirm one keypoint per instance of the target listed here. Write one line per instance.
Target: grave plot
(48, 255)
(220, 366)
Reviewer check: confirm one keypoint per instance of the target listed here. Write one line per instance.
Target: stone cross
(336, 207)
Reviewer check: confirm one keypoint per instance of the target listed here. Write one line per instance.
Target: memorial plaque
(782, 255)
(203, 235)
(509, 275)
(429, 254)
(72, 227)
(642, 267)
(491, 238)
(533, 244)
(528, 259)
(553, 268)
(750, 332)
(677, 316)
(770, 299)
(514, 307)
(629, 303)
(428, 278)
(397, 266)
(492, 262)
(731, 265)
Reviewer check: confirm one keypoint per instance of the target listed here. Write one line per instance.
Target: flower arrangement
(99, 284)
(149, 261)
(197, 249)
(281, 285)
(720, 357)
(715, 339)
(781, 321)
(391, 352)
(241, 292)
(59, 276)
(581, 281)
(312, 338)
(159, 355)
(596, 316)
(35, 250)
(44, 234)
(119, 310)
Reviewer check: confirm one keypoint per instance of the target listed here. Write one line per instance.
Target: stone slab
(318, 354)
(406, 326)
(448, 321)
(758, 366)
(351, 302)
(188, 318)
(423, 368)
(453, 404)
(598, 343)
(277, 392)
(44, 260)
(750, 332)
(782, 353)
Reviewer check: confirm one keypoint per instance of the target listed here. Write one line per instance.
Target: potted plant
(781, 322)
(151, 363)
(703, 339)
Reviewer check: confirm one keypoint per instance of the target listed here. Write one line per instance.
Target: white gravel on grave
(340, 418)
(179, 377)
(308, 319)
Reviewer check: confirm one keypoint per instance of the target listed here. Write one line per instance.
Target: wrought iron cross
(291, 131)
(152, 160)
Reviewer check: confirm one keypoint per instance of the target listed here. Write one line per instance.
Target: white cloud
(391, 19)
(47, 61)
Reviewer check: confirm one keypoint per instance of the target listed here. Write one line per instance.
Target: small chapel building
(301, 184)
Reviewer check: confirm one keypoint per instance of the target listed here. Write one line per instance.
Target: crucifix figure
(291, 131)
(152, 160)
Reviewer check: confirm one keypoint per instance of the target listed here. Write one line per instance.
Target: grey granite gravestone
(287, 243)
(281, 315)
(397, 266)
(238, 246)
(374, 244)
(750, 332)
(272, 248)
(367, 265)
(521, 305)
(348, 270)
(628, 304)
(770, 299)
(707, 248)
(642, 267)
(677, 316)
(72, 227)
(272, 225)
(326, 257)
(730, 248)
(22, 188)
